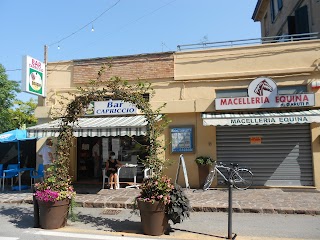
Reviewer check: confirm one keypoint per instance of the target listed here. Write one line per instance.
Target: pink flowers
(51, 193)
(156, 189)
(46, 195)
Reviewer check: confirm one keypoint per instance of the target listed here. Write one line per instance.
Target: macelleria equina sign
(263, 93)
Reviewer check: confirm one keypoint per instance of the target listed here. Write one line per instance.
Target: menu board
(182, 139)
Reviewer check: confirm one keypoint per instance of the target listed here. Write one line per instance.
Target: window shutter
(291, 25)
(272, 10)
(301, 20)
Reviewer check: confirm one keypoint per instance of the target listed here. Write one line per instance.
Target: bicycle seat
(234, 164)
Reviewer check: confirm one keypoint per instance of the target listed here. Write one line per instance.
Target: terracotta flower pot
(53, 215)
(203, 173)
(153, 218)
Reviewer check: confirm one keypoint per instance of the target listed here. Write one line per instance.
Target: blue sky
(122, 27)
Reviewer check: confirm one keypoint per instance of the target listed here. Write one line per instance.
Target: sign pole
(45, 69)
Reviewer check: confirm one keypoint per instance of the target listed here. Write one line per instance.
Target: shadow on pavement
(198, 233)
(115, 225)
(20, 217)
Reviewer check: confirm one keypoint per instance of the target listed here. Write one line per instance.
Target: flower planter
(53, 215)
(153, 218)
(203, 173)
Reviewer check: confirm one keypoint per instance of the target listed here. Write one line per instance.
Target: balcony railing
(252, 41)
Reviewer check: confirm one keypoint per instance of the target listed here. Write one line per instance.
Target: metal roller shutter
(284, 157)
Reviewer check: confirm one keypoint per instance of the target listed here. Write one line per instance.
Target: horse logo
(263, 85)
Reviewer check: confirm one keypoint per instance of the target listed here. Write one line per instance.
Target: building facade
(253, 105)
(278, 17)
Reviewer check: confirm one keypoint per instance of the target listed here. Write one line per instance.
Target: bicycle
(240, 178)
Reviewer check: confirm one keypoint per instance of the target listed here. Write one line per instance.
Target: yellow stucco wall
(204, 144)
(197, 75)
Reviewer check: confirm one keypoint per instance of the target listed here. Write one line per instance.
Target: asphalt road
(16, 223)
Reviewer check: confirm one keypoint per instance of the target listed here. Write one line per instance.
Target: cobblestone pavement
(274, 200)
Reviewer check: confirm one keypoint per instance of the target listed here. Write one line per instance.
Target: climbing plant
(113, 88)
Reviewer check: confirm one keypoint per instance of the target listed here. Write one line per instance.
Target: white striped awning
(94, 127)
(261, 118)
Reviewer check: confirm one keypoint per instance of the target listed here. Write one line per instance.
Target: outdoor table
(134, 177)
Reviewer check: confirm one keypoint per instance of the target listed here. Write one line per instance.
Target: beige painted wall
(197, 75)
(204, 140)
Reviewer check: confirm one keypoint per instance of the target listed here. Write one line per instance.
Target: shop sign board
(269, 120)
(263, 93)
(111, 107)
(33, 76)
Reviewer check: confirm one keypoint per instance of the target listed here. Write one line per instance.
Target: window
(283, 90)
(286, 90)
(266, 25)
(232, 93)
(272, 10)
(275, 7)
(280, 4)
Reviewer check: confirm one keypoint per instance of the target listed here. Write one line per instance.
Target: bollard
(230, 212)
(35, 210)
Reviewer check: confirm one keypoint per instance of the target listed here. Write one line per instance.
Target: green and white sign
(33, 76)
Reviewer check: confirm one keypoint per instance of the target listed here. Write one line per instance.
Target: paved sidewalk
(274, 200)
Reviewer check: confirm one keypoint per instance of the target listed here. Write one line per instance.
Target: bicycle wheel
(209, 180)
(241, 178)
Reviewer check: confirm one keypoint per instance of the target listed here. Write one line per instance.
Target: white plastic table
(134, 177)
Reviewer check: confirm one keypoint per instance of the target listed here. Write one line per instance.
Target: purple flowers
(47, 193)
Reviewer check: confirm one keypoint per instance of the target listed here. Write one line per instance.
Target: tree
(8, 91)
(23, 113)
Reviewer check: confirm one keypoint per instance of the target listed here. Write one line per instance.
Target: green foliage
(179, 207)
(23, 113)
(156, 188)
(116, 88)
(8, 91)
(203, 160)
(161, 189)
(73, 204)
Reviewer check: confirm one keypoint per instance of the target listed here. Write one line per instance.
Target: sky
(121, 27)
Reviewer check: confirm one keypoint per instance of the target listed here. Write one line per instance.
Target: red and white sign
(263, 93)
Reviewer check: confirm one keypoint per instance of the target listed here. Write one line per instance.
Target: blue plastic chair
(37, 174)
(13, 172)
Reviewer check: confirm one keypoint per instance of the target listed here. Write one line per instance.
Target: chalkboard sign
(185, 174)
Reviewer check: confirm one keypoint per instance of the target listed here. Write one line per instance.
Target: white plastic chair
(104, 177)
(147, 173)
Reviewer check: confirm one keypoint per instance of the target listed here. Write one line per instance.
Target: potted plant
(204, 163)
(159, 202)
(54, 197)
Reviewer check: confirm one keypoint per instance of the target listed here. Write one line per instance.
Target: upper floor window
(275, 7)
(299, 23)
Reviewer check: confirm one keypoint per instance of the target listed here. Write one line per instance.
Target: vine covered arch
(114, 88)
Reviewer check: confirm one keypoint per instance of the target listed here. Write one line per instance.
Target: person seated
(112, 166)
